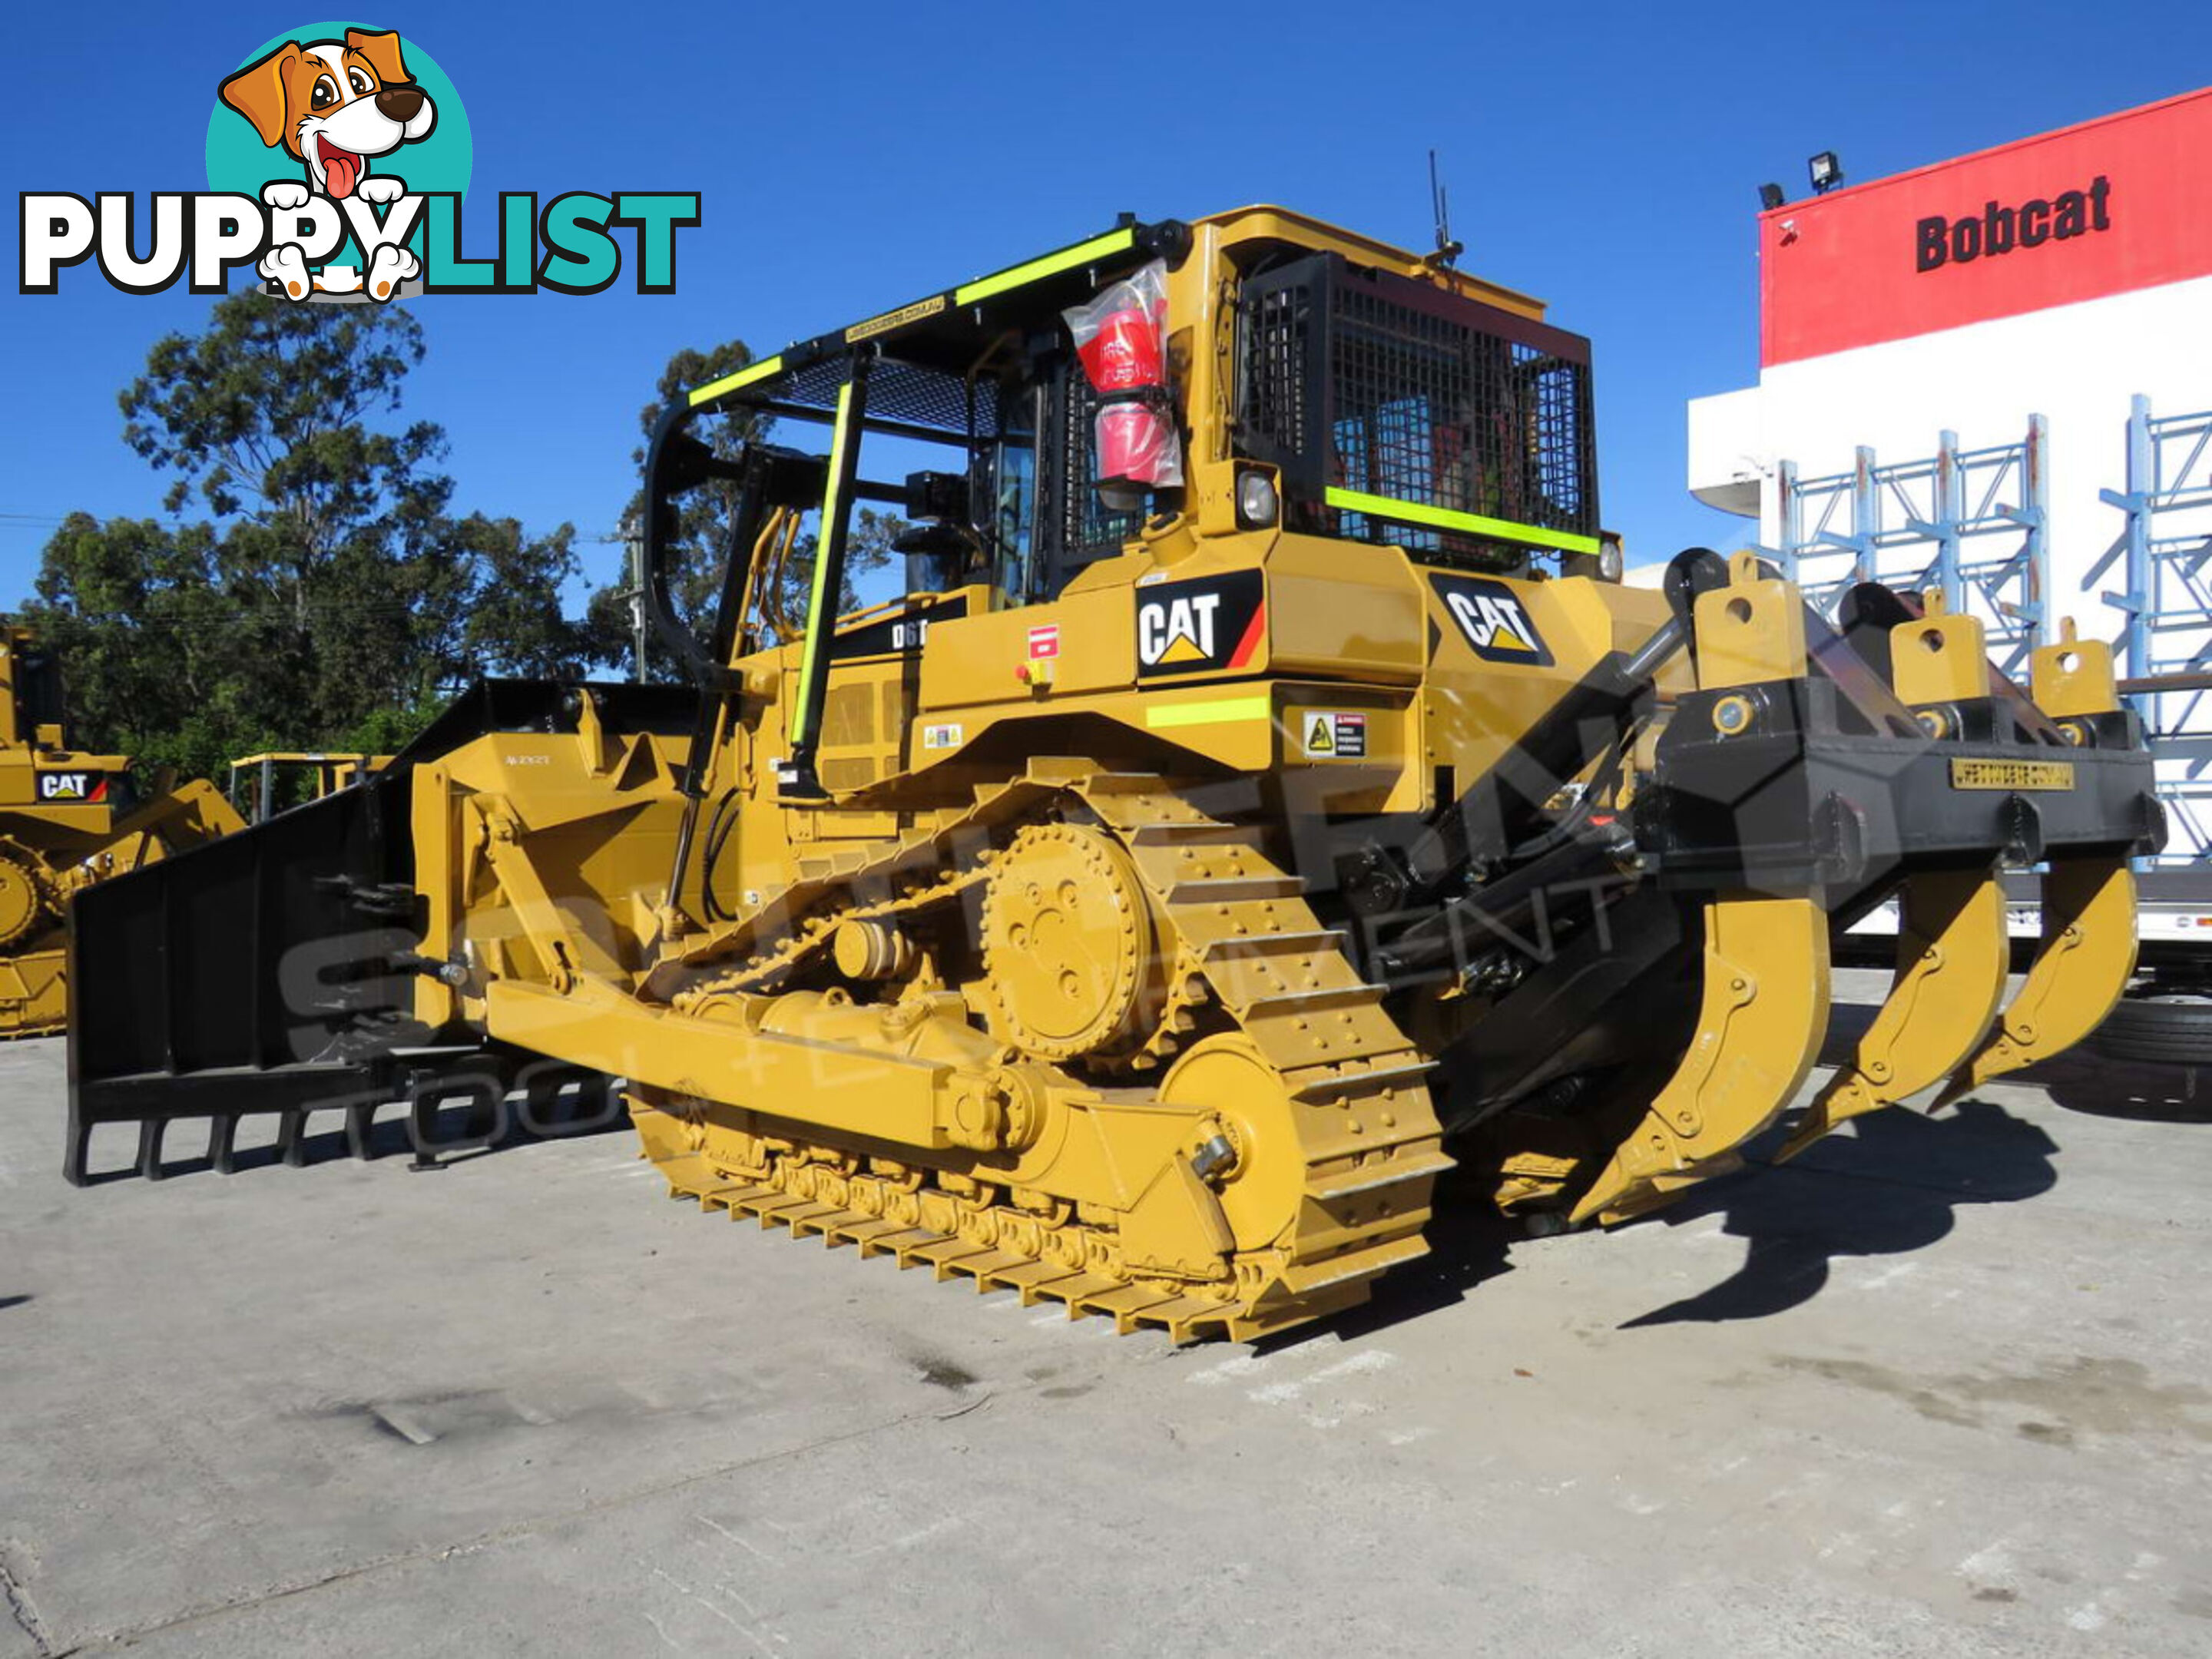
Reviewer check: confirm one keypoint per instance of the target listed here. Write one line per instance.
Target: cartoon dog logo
(334, 106)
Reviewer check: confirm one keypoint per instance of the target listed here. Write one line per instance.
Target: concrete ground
(1940, 1387)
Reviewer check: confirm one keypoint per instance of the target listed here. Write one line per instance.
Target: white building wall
(2078, 366)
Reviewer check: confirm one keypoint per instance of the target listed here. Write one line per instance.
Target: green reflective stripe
(1438, 518)
(1114, 241)
(1209, 714)
(839, 434)
(745, 376)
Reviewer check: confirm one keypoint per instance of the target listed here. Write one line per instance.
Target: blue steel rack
(1974, 523)
(2164, 555)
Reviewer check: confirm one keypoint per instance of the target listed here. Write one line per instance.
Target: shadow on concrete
(1894, 1186)
(455, 1134)
(1468, 1242)
(7, 1301)
(1891, 1184)
(2125, 1089)
(2081, 1080)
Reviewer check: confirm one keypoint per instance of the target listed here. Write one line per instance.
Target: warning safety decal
(1330, 734)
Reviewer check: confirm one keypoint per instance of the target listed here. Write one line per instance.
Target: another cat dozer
(262, 784)
(1262, 794)
(67, 820)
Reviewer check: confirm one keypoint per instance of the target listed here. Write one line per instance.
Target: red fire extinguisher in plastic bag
(1120, 337)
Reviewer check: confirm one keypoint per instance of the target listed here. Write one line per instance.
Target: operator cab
(30, 691)
(1257, 371)
(1384, 407)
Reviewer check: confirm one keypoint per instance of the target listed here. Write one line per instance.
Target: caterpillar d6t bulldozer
(1261, 795)
(67, 820)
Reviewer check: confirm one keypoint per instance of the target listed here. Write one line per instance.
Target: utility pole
(633, 543)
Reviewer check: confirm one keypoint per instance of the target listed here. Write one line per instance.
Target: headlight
(1609, 561)
(1256, 502)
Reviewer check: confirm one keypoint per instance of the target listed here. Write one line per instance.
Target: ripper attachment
(1835, 770)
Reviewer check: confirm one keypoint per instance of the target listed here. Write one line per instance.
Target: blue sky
(1603, 156)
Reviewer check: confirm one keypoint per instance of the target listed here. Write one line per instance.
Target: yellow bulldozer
(260, 784)
(67, 820)
(1262, 794)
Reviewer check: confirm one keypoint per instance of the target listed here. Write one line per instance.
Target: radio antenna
(1448, 250)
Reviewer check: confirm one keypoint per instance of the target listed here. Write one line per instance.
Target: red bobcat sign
(2109, 206)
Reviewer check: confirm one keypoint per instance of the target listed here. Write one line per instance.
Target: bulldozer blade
(1765, 1009)
(1952, 954)
(2085, 961)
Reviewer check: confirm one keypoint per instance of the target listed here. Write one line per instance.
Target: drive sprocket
(26, 897)
(1071, 946)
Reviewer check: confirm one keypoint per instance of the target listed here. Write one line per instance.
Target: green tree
(328, 591)
(700, 543)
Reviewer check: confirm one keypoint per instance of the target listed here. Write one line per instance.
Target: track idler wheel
(1249, 1146)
